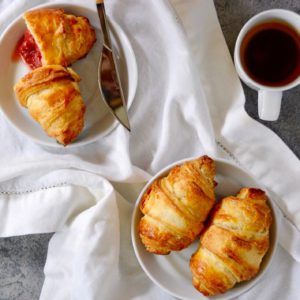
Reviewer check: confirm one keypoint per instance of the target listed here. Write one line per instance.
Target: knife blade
(108, 76)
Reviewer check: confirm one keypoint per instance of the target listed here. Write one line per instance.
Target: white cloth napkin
(189, 101)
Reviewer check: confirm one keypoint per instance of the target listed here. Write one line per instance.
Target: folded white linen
(88, 256)
(188, 102)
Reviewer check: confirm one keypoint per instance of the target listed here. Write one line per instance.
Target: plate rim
(254, 280)
(114, 123)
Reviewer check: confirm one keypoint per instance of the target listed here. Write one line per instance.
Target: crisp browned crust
(233, 245)
(176, 206)
(51, 94)
(61, 38)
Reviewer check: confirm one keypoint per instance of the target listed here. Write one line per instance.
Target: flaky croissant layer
(233, 245)
(176, 206)
(52, 96)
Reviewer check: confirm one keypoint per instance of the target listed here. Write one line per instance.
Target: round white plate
(171, 272)
(98, 120)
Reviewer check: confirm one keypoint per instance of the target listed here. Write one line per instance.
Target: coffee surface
(270, 53)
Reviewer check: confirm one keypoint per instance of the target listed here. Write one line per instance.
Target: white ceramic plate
(98, 120)
(171, 272)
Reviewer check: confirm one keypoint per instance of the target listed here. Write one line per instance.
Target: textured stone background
(22, 258)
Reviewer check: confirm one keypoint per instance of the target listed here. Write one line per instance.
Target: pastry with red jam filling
(55, 38)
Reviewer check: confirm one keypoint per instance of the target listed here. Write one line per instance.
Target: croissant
(176, 206)
(233, 245)
(52, 96)
(53, 37)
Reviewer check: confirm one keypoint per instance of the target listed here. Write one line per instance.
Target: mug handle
(269, 103)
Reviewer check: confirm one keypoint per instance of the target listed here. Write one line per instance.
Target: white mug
(269, 97)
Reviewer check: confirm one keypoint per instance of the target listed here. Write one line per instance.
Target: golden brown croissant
(233, 245)
(52, 96)
(176, 206)
(61, 38)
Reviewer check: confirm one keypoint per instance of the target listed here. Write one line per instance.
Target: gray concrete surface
(22, 258)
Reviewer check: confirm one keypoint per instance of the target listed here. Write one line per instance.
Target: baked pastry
(176, 206)
(53, 37)
(233, 245)
(52, 96)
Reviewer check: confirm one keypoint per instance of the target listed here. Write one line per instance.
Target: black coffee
(270, 53)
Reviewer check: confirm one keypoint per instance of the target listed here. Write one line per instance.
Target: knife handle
(104, 24)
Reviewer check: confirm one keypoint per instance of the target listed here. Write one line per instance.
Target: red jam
(29, 51)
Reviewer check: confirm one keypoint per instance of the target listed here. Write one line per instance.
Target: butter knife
(108, 75)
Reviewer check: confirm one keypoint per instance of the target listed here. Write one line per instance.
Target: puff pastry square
(52, 96)
(61, 38)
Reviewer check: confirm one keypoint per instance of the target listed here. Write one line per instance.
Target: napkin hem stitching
(33, 190)
(228, 152)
